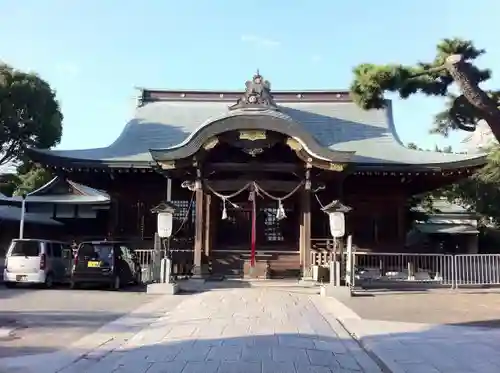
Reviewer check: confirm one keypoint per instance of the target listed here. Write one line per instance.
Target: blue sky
(94, 52)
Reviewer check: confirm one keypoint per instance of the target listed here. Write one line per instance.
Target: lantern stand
(166, 285)
(336, 211)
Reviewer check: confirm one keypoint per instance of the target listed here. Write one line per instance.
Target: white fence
(404, 269)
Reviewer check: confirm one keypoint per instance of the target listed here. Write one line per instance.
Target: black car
(112, 263)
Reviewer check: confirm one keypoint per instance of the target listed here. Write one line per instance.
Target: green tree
(29, 117)
(30, 178)
(479, 193)
(453, 63)
(8, 184)
(29, 114)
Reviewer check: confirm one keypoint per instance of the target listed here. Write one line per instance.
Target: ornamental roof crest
(257, 95)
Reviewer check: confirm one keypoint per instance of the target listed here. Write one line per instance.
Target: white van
(35, 261)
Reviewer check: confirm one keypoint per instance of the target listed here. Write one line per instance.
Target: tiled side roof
(336, 125)
(45, 194)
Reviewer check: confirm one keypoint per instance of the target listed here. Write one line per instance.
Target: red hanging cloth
(254, 230)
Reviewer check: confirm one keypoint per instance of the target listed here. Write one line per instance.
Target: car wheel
(74, 285)
(116, 283)
(49, 281)
(137, 278)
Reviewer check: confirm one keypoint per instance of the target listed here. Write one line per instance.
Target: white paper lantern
(337, 224)
(165, 220)
(165, 212)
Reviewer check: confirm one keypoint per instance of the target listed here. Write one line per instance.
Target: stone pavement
(425, 348)
(232, 330)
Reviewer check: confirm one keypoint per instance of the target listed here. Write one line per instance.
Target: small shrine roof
(61, 191)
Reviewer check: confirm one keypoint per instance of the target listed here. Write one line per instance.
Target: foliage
(479, 193)
(28, 178)
(372, 81)
(8, 184)
(31, 179)
(29, 114)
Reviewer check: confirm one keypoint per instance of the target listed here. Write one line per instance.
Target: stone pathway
(261, 330)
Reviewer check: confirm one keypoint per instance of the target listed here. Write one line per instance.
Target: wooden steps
(282, 265)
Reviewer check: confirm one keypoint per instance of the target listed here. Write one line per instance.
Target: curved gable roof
(337, 126)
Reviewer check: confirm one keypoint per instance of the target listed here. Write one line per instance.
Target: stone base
(339, 292)
(163, 288)
(193, 284)
(307, 281)
(260, 270)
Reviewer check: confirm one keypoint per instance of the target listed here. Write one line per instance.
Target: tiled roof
(48, 194)
(336, 125)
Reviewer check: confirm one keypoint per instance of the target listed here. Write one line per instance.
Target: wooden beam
(252, 166)
(267, 185)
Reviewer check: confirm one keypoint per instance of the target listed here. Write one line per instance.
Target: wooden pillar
(198, 227)
(208, 225)
(305, 227)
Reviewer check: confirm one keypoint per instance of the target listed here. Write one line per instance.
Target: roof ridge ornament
(257, 95)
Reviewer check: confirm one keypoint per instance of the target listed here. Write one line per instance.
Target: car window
(24, 248)
(56, 250)
(89, 251)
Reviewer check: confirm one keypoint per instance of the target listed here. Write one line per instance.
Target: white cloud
(259, 41)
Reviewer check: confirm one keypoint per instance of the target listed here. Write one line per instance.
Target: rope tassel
(224, 210)
(280, 214)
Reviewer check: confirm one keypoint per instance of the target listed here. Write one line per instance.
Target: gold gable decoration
(337, 167)
(293, 144)
(167, 165)
(211, 143)
(253, 135)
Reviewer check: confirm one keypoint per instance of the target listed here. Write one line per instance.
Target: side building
(212, 152)
(61, 209)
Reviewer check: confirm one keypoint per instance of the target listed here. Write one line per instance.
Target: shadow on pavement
(260, 353)
(26, 288)
(193, 286)
(65, 319)
(427, 349)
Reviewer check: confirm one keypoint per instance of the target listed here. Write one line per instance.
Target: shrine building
(257, 166)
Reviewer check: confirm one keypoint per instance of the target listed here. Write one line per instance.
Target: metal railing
(402, 267)
(182, 263)
(477, 269)
(461, 270)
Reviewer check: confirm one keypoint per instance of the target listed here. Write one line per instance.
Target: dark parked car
(112, 263)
